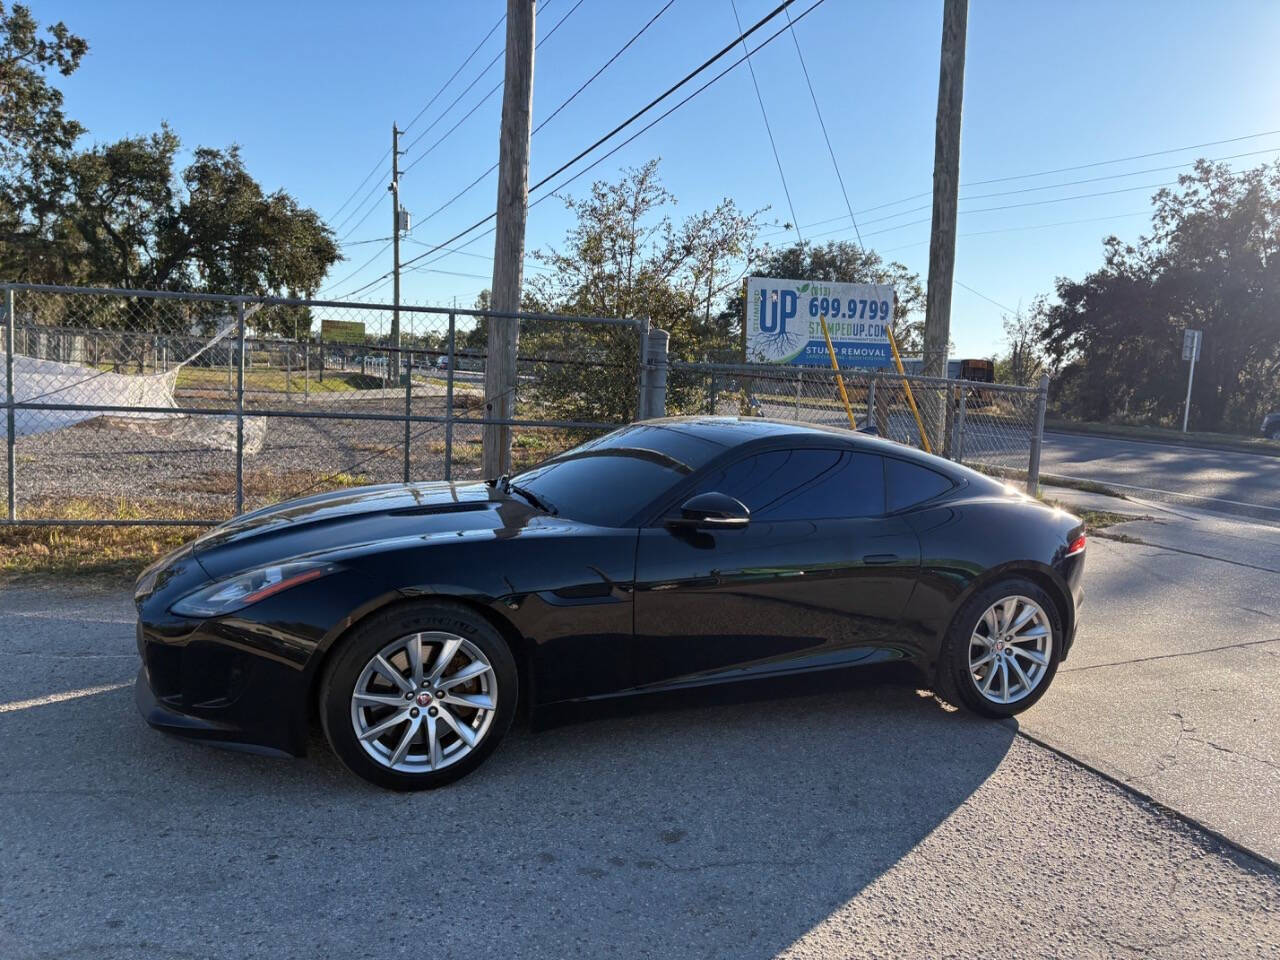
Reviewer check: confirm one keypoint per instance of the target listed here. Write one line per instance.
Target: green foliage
(1211, 262)
(35, 134)
(626, 257)
(120, 214)
(1024, 334)
(841, 262)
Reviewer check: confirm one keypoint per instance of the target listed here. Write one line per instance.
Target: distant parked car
(1271, 425)
(443, 363)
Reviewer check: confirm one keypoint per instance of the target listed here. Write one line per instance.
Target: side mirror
(712, 511)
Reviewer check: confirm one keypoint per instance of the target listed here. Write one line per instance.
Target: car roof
(737, 431)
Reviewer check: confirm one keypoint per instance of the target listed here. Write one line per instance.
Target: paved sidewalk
(1173, 685)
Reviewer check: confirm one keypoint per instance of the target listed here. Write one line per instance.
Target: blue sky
(309, 92)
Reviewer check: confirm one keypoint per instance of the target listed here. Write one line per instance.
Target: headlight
(244, 589)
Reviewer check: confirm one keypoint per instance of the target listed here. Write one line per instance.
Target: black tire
(347, 664)
(1275, 434)
(955, 682)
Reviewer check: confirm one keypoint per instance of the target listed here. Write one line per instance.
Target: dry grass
(113, 554)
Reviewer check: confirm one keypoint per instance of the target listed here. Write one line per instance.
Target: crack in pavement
(1243, 644)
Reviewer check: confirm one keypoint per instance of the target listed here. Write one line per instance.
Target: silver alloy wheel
(424, 702)
(1010, 649)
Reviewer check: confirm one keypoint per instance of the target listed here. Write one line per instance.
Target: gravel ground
(856, 822)
(111, 461)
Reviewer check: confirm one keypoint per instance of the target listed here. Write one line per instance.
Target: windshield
(607, 480)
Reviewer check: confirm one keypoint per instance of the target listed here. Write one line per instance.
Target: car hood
(353, 518)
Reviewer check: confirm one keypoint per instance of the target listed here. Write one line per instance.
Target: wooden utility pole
(508, 243)
(946, 173)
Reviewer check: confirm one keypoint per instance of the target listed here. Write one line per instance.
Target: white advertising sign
(782, 322)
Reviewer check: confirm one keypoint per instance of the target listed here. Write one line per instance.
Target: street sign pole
(1190, 351)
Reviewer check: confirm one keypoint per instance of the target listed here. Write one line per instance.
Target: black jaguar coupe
(415, 619)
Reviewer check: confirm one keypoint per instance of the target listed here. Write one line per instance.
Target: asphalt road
(1223, 480)
(870, 822)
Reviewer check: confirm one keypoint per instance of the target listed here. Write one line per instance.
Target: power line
(357, 270)
(767, 128)
(818, 110)
(1032, 226)
(656, 120)
(1054, 186)
(453, 76)
(375, 169)
(763, 20)
(1081, 166)
(485, 99)
(425, 107)
(979, 293)
(474, 183)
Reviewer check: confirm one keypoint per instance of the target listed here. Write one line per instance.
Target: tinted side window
(804, 484)
(908, 484)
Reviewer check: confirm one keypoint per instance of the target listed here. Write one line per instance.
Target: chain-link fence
(155, 407)
(991, 426)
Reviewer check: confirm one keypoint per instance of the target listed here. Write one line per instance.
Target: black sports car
(414, 618)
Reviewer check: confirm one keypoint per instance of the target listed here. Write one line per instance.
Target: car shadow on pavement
(699, 824)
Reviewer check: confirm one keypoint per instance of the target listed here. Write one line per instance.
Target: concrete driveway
(863, 821)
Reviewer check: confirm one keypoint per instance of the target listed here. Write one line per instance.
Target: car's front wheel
(418, 696)
(1002, 649)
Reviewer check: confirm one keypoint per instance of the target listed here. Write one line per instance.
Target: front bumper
(169, 720)
(214, 681)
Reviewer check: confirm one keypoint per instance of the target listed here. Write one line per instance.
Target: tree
(35, 134)
(1024, 336)
(843, 262)
(626, 257)
(1211, 262)
(119, 214)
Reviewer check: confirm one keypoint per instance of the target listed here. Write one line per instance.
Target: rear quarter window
(907, 484)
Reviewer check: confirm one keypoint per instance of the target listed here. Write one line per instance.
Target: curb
(1144, 798)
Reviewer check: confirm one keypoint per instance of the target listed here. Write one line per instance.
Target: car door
(819, 577)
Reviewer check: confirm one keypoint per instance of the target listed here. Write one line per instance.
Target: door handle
(879, 559)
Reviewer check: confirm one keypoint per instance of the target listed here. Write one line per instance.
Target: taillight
(1077, 546)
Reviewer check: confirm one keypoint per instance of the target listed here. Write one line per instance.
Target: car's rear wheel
(419, 696)
(1002, 649)
(1275, 433)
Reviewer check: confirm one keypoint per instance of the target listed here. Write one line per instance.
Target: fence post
(1037, 438)
(654, 374)
(948, 421)
(408, 404)
(239, 407)
(642, 374)
(957, 448)
(306, 370)
(448, 402)
(799, 385)
(871, 403)
(9, 321)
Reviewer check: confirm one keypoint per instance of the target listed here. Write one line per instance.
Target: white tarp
(36, 380)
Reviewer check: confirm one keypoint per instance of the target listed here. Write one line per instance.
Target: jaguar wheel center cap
(424, 699)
